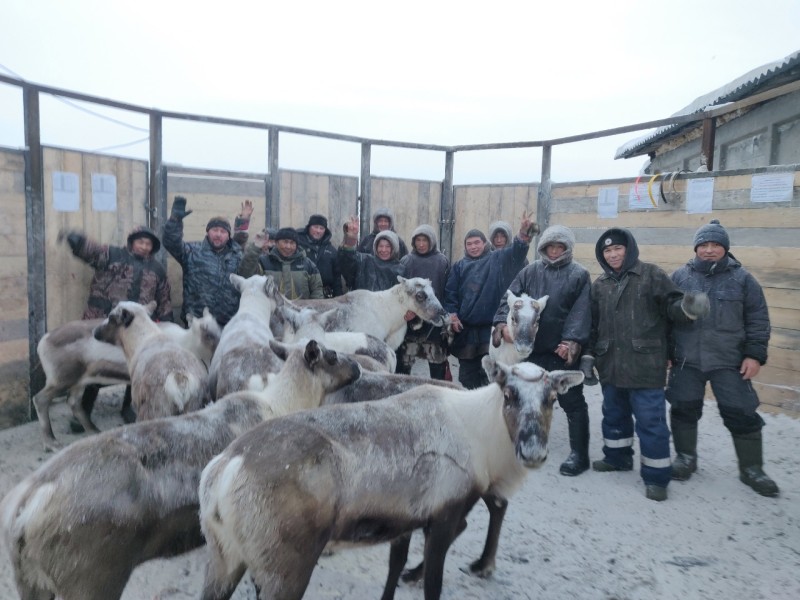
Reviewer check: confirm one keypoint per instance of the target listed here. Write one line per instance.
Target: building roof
(758, 80)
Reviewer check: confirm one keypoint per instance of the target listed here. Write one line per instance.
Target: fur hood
(429, 233)
(556, 234)
(391, 236)
(503, 226)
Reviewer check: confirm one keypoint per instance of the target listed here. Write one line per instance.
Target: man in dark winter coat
(382, 220)
(294, 274)
(315, 240)
(425, 342)
(499, 238)
(130, 273)
(375, 272)
(632, 305)
(726, 349)
(472, 295)
(208, 264)
(564, 327)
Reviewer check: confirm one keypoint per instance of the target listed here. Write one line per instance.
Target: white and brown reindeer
(166, 378)
(244, 359)
(381, 314)
(73, 359)
(303, 324)
(371, 472)
(522, 325)
(77, 526)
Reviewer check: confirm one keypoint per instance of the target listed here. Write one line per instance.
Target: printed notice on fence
(66, 192)
(104, 192)
(772, 187)
(607, 202)
(638, 196)
(699, 195)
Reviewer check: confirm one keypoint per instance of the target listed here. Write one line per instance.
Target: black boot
(87, 402)
(684, 437)
(749, 451)
(578, 460)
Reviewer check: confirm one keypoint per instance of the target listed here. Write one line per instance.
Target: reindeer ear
(494, 370)
(401, 279)
(270, 289)
(280, 350)
(206, 312)
(150, 307)
(542, 302)
(190, 319)
(237, 281)
(313, 353)
(563, 380)
(125, 317)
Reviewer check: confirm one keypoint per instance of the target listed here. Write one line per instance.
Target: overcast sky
(419, 71)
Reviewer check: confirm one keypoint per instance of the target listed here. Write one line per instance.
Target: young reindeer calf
(77, 526)
(369, 473)
(522, 324)
(166, 378)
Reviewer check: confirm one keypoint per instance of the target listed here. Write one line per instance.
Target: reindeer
(381, 314)
(522, 324)
(73, 359)
(78, 525)
(166, 379)
(243, 359)
(371, 472)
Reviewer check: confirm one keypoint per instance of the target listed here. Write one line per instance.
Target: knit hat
(286, 233)
(475, 233)
(713, 232)
(142, 231)
(219, 222)
(317, 220)
(615, 237)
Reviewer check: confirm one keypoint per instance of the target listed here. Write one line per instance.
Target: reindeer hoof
(481, 570)
(413, 575)
(52, 446)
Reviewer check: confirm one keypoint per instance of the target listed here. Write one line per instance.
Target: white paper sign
(772, 187)
(607, 203)
(104, 192)
(639, 198)
(66, 192)
(699, 195)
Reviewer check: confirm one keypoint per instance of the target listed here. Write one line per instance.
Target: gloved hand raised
(75, 239)
(695, 305)
(179, 209)
(587, 366)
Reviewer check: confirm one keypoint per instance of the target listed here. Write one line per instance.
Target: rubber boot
(749, 451)
(684, 437)
(578, 460)
(87, 402)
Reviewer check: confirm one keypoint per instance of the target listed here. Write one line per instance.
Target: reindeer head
(331, 369)
(418, 296)
(528, 396)
(523, 320)
(121, 317)
(207, 327)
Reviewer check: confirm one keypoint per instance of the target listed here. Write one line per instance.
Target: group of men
(709, 321)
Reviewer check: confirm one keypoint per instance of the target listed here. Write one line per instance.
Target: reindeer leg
(484, 566)
(397, 560)
(42, 402)
(75, 402)
(415, 574)
(440, 536)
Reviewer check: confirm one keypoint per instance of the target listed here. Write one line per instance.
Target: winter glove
(587, 366)
(695, 305)
(75, 239)
(179, 209)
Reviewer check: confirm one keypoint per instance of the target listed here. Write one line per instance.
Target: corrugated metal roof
(757, 80)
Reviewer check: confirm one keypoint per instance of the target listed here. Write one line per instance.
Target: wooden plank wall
(13, 290)
(412, 202)
(477, 206)
(68, 278)
(764, 237)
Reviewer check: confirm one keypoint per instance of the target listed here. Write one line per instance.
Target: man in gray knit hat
(726, 349)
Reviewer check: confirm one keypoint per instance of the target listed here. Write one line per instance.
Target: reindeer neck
(258, 305)
(288, 391)
(133, 338)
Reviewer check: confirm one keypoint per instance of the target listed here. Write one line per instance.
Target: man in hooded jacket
(131, 273)
(633, 304)
(727, 349)
(472, 295)
(425, 342)
(376, 271)
(564, 327)
(382, 220)
(315, 240)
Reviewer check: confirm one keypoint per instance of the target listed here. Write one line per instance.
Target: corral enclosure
(43, 285)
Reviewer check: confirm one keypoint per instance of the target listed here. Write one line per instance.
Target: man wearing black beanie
(315, 239)
(727, 350)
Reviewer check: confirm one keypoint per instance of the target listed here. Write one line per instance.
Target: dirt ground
(585, 538)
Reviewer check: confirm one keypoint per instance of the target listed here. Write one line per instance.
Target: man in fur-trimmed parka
(376, 271)
(564, 327)
(382, 220)
(726, 349)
